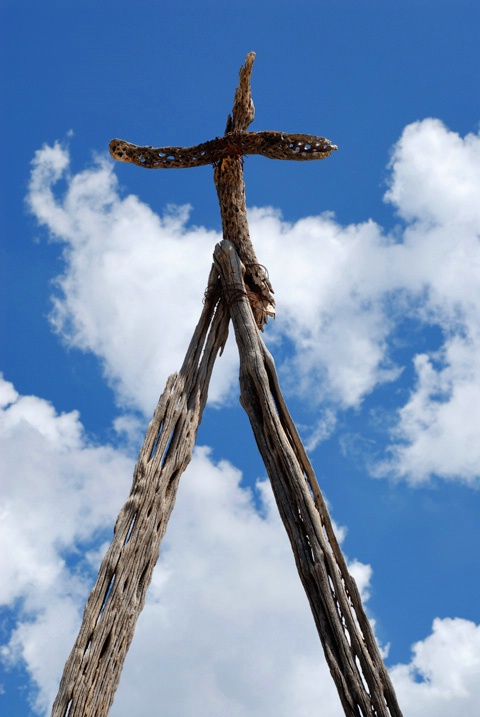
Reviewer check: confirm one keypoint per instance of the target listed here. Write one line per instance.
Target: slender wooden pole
(92, 671)
(352, 654)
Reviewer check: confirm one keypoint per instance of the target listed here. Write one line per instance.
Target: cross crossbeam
(274, 145)
(226, 155)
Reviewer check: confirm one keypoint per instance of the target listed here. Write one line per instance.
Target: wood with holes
(239, 288)
(92, 671)
(226, 155)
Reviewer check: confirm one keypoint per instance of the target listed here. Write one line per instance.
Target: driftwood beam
(352, 654)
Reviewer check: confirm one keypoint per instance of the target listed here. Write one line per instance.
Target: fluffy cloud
(58, 493)
(436, 175)
(443, 677)
(57, 490)
(434, 185)
(438, 427)
(133, 281)
(227, 628)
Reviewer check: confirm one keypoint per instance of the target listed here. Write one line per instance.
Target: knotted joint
(234, 294)
(260, 301)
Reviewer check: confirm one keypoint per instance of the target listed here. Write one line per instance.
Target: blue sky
(374, 256)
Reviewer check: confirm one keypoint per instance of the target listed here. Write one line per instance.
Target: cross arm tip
(118, 149)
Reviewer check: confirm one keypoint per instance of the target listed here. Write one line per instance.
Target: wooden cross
(238, 290)
(226, 154)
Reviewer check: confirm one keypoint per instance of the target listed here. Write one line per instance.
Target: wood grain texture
(93, 669)
(353, 657)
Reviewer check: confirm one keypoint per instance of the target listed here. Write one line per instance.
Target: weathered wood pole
(92, 671)
(352, 654)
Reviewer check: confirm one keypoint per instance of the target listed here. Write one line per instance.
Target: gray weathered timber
(92, 671)
(353, 657)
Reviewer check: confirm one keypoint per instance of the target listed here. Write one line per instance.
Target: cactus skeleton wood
(238, 289)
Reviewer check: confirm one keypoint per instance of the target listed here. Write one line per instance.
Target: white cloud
(133, 282)
(438, 427)
(435, 185)
(321, 429)
(443, 678)
(57, 492)
(330, 282)
(56, 489)
(436, 175)
(53, 624)
(227, 628)
(343, 293)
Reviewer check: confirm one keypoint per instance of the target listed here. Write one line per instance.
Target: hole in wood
(155, 443)
(107, 595)
(360, 671)
(167, 449)
(132, 523)
(141, 582)
(105, 646)
(85, 652)
(171, 483)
